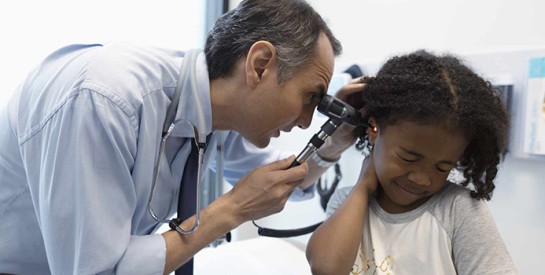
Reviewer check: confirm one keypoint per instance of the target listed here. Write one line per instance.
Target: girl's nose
(419, 178)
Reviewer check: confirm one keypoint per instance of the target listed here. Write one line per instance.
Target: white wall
(31, 29)
(371, 30)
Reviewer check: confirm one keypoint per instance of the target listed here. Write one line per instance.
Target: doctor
(81, 138)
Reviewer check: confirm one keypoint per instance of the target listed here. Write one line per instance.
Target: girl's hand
(368, 180)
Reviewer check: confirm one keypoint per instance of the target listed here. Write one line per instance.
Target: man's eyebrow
(418, 155)
(322, 89)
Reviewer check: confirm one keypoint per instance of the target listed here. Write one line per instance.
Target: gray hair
(291, 26)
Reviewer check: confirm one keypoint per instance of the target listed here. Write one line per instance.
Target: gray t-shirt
(451, 233)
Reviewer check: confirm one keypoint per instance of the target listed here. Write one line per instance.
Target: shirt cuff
(153, 246)
(299, 194)
(322, 162)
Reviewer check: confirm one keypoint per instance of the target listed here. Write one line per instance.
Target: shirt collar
(189, 107)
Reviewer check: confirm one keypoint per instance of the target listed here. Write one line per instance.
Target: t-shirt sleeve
(477, 245)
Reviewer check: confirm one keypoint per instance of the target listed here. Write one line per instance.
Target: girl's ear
(372, 131)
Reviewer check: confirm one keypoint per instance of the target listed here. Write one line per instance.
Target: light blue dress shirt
(79, 142)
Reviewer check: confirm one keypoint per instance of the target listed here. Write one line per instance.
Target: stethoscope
(188, 66)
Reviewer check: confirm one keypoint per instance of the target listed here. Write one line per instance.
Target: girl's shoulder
(454, 197)
(453, 207)
(450, 205)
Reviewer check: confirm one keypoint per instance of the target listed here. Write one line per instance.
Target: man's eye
(314, 98)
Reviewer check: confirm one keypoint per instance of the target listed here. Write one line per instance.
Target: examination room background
(370, 31)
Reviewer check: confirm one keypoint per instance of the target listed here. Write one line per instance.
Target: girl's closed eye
(411, 159)
(445, 166)
(408, 159)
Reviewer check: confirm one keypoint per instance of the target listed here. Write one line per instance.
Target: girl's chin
(400, 204)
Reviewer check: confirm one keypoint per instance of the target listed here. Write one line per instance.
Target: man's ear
(372, 130)
(259, 62)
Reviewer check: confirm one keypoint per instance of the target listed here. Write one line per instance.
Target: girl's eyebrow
(418, 155)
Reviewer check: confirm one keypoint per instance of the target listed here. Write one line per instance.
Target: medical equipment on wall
(338, 112)
(188, 67)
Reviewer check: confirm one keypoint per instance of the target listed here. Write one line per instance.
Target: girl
(429, 117)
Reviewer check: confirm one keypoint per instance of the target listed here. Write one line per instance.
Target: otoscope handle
(294, 163)
(317, 141)
(331, 125)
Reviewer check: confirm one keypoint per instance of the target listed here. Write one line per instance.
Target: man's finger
(294, 174)
(280, 164)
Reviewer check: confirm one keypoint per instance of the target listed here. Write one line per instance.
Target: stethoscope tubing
(200, 140)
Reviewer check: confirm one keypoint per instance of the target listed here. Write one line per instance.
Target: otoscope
(338, 112)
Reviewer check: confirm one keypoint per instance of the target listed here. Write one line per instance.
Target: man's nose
(305, 119)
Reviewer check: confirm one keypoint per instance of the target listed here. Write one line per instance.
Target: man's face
(413, 161)
(281, 107)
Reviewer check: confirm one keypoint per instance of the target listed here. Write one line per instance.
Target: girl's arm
(333, 247)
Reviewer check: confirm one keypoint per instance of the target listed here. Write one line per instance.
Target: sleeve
(338, 197)
(81, 159)
(476, 243)
(241, 157)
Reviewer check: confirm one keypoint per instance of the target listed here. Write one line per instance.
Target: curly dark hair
(426, 88)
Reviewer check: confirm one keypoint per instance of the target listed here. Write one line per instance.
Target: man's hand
(260, 193)
(346, 135)
(265, 190)
(351, 92)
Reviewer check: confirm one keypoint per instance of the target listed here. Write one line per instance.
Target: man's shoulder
(128, 72)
